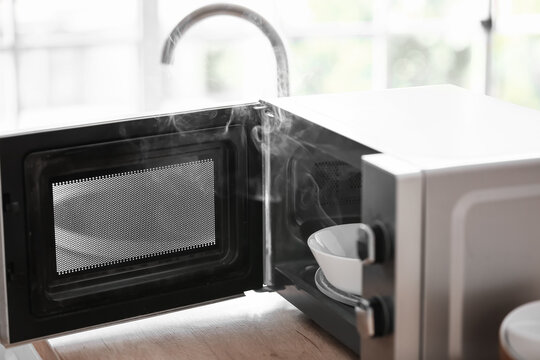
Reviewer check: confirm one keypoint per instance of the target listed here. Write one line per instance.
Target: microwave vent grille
(337, 183)
(116, 218)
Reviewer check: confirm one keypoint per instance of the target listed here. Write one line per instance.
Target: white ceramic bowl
(519, 334)
(335, 249)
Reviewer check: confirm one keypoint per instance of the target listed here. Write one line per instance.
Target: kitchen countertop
(258, 325)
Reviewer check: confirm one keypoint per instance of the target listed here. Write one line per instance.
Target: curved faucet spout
(240, 12)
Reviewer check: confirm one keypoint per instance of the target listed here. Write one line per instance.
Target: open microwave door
(106, 222)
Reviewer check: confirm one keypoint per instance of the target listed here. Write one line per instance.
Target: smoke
(312, 197)
(308, 183)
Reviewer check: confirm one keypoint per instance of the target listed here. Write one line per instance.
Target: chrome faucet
(267, 29)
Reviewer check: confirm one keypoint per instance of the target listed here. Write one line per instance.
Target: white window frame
(379, 30)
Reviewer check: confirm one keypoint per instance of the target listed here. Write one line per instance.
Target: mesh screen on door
(111, 219)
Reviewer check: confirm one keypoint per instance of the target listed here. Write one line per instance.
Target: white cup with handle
(519, 334)
(336, 250)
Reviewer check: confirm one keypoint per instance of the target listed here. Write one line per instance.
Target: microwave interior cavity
(316, 182)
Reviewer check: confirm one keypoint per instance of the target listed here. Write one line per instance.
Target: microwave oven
(105, 222)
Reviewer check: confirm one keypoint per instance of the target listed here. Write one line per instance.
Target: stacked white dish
(336, 250)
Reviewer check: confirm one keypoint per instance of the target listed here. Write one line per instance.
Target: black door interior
(122, 219)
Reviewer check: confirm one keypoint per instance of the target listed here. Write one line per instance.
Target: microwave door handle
(374, 316)
(365, 322)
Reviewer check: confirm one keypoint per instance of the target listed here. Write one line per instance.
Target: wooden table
(256, 326)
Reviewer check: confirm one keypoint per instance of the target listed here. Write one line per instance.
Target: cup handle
(370, 244)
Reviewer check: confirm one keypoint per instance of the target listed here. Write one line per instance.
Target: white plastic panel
(494, 264)
(482, 240)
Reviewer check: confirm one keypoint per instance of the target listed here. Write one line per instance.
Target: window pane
(170, 12)
(64, 16)
(414, 60)
(221, 59)
(6, 23)
(421, 9)
(100, 77)
(341, 10)
(8, 100)
(516, 75)
(4, 13)
(239, 68)
(323, 11)
(525, 6)
(327, 65)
